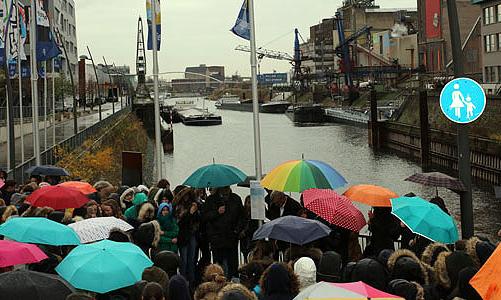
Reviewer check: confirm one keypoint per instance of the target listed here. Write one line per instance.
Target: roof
(388, 10)
(480, 1)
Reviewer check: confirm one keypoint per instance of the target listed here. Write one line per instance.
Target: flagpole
(53, 105)
(45, 103)
(255, 100)
(20, 81)
(34, 83)
(158, 143)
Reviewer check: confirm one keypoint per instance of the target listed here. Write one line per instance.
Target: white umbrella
(96, 229)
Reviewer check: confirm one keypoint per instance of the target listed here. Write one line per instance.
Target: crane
(343, 51)
(278, 55)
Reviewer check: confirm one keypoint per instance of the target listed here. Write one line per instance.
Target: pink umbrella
(2, 183)
(366, 290)
(14, 253)
(334, 208)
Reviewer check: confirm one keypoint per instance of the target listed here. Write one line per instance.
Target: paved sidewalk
(64, 130)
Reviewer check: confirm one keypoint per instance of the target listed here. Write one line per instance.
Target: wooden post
(425, 130)
(373, 122)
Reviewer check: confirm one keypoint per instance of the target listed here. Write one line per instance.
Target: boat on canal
(232, 102)
(202, 120)
(306, 113)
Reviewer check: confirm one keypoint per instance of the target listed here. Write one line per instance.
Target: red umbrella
(334, 208)
(81, 186)
(15, 253)
(57, 197)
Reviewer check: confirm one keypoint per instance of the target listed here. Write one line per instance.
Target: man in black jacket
(224, 216)
(281, 205)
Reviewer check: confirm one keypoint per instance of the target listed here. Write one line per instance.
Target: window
(499, 13)
(490, 74)
(489, 15)
(499, 73)
(490, 43)
(499, 41)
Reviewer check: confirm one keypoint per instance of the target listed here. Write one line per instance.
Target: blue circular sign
(462, 100)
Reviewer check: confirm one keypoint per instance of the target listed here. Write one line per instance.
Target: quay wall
(405, 139)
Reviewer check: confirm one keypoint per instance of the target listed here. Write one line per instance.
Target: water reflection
(344, 147)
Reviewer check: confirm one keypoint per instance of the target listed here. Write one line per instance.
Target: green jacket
(171, 230)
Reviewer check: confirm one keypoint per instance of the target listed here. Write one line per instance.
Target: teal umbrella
(215, 175)
(426, 219)
(39, 231)
(104, 266)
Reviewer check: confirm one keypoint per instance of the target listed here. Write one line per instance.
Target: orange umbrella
(487, 281)
(371, 195)
(84, 187)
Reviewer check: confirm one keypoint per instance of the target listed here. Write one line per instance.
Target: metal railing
(27, 112)
(49, 156)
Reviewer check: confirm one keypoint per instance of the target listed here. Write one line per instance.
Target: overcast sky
(197, 31)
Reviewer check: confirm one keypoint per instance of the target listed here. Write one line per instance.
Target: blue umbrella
(104, 266)
(47, 171)
(426, 219)
(215, 175)
(39, 231)
(292, 229)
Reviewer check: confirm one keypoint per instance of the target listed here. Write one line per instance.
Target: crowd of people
(193, 236)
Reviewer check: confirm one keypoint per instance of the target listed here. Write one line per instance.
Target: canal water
(343, 147)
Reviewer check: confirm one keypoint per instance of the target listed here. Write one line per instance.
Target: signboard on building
(433, 16)
(272, 78)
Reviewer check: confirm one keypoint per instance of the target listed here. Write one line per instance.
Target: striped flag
(242, 25)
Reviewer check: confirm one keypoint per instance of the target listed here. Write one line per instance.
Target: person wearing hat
(409, 290)
(155, 274)
(447, 268)
(404, 264)
(479, 250)
(306, 272)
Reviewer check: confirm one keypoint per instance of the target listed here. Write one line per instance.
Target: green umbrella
(215, 175)
(104, 266)
(426, 219)
(39, 231)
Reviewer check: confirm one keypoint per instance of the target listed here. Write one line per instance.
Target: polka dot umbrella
(334, 208)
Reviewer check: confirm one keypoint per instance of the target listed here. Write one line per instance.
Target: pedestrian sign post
(462, 100)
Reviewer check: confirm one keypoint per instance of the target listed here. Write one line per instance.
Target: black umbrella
(29, 285)
(47, 171)
(295, 230)
(437, 179)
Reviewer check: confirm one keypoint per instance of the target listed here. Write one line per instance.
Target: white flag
(42, 18)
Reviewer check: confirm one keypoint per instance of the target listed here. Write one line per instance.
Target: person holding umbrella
(281, 205)
(224, 216)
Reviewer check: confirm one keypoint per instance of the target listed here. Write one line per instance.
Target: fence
(48, 157)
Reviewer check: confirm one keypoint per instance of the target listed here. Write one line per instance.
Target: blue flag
(47, 47)
(242, 25)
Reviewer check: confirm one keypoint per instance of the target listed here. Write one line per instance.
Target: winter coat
(329, 269)
(447, 268)
(370, 271)
(291, 208)
(385, 231)
(223, 229)
(188, 223)
(147, 237)
(404, 264)
(169, 228)
(138, 214)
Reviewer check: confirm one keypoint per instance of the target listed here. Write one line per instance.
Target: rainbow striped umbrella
(301, 175)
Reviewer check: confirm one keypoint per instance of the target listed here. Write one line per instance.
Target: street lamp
(85, 57)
